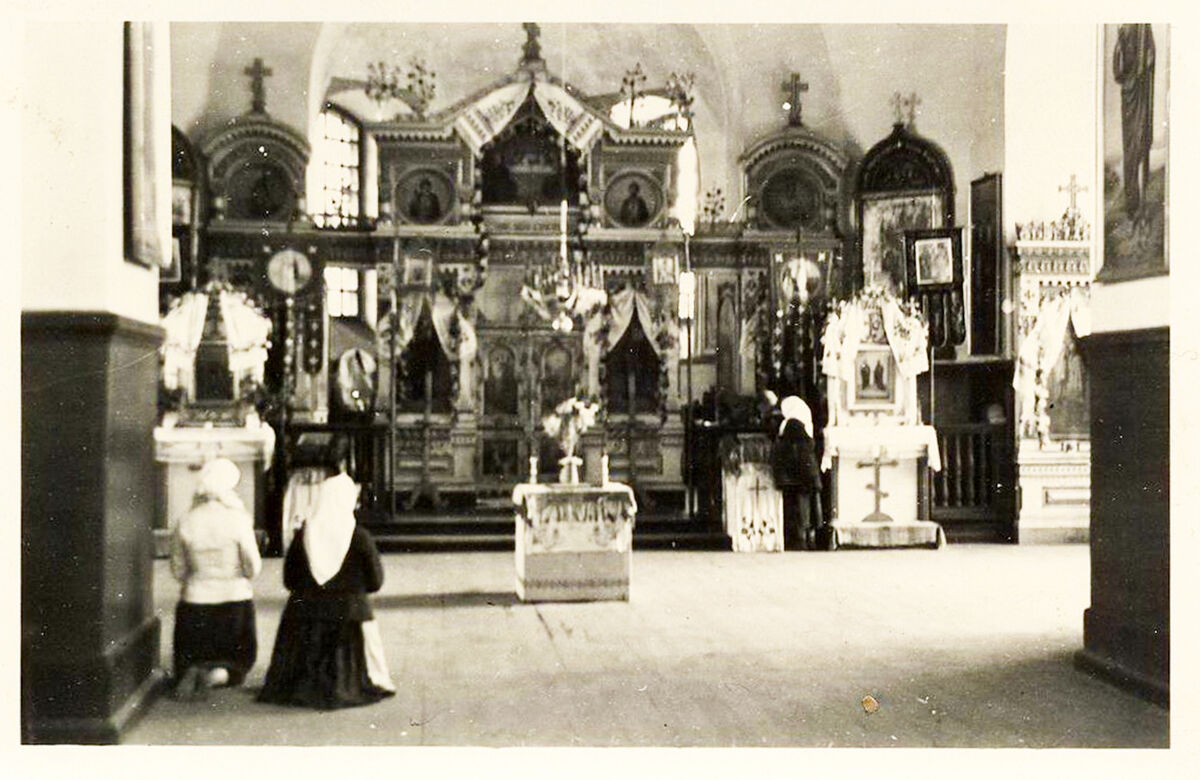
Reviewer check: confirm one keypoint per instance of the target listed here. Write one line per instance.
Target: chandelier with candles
(571, 286)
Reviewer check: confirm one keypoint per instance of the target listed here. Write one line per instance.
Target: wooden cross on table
(256, 72)
(1073, 189)
(877, 516)
(792, 89)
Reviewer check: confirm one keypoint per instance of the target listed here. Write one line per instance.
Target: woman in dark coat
(327, 652)
(797, 475)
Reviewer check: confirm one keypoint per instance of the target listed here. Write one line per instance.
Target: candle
(533, 464)
(604, 469)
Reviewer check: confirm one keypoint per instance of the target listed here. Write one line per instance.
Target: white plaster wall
(71, 145)
(1050, 122)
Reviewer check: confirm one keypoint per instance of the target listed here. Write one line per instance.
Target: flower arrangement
(570, 420)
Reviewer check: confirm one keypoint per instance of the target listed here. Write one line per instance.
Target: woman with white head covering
(327, 652)
(797, 474)
(214, 555)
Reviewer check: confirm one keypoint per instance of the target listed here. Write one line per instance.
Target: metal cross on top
(905, 104)
(792, 89)
(877, 516)
(532, 50)
(256, 72)
(1073, 189)
(631, 85)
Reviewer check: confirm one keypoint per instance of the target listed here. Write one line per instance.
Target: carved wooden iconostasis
(455, 335)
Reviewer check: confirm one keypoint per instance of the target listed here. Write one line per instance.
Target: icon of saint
(634, 211)
(425, 205)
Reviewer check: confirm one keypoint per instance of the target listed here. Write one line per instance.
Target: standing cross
(1073, 189)
(898, 107)
(792, 89)
(256, 72)
(632, 82)
(877, 516)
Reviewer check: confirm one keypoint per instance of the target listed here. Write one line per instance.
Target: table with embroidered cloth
(879, 484)
(574, 542)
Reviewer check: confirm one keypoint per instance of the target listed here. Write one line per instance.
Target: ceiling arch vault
(851, 72)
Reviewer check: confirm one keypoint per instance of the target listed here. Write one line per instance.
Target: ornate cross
(1073, 189)
(792, 89)
(905, 104)
(532, 51)
(256, 72)
(632, 86)
(877, 516)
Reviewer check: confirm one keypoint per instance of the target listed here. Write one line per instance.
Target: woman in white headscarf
(215, 556)
(327, 652)
(797, 474)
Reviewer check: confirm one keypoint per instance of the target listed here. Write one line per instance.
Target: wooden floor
(968, 646)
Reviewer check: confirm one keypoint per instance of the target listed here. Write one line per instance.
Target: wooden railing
(975, 483)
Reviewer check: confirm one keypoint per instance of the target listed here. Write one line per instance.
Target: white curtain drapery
(1042, 348)
(246, 333)
(484, 120)
(184, 325)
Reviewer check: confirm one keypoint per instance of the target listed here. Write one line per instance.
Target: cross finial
(791, 90)
(532, 51)
(256, 72)
(905, 108)
(632, 85)
(1073, 189)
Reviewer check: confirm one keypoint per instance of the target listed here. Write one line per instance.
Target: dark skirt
(319, 663)
(215, 635)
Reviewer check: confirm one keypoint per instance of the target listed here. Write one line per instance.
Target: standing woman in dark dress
(796, 472)
(327, 652)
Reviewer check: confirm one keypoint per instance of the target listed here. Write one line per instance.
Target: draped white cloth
(480, 122)
(622, 306)
(908, 337)
(328, 532)
(443, 311)
(1043, 346)
(246, 333)
(184, 325)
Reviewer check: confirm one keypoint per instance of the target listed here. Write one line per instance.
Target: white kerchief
(794, 408)
(218, 478)
(327, 533)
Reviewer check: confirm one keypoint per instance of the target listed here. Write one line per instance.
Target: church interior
(515, 263)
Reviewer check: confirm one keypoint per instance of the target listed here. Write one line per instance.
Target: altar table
(574, 542)
(182, 451)
(878, 498)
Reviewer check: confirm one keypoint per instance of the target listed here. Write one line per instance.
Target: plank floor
(969, 646)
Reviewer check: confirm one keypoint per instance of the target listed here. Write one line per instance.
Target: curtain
(483, 120)
(622, 307)
(184, 325)
(1043, 345)
(246, 332)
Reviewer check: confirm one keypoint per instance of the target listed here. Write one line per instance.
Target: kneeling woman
(215, 556)
(327, 652)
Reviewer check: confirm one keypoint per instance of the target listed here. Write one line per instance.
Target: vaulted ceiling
(852, 72)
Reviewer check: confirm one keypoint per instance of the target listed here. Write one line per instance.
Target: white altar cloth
(753, 509)
(574, 542)
(181, 451)
(878, 482)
